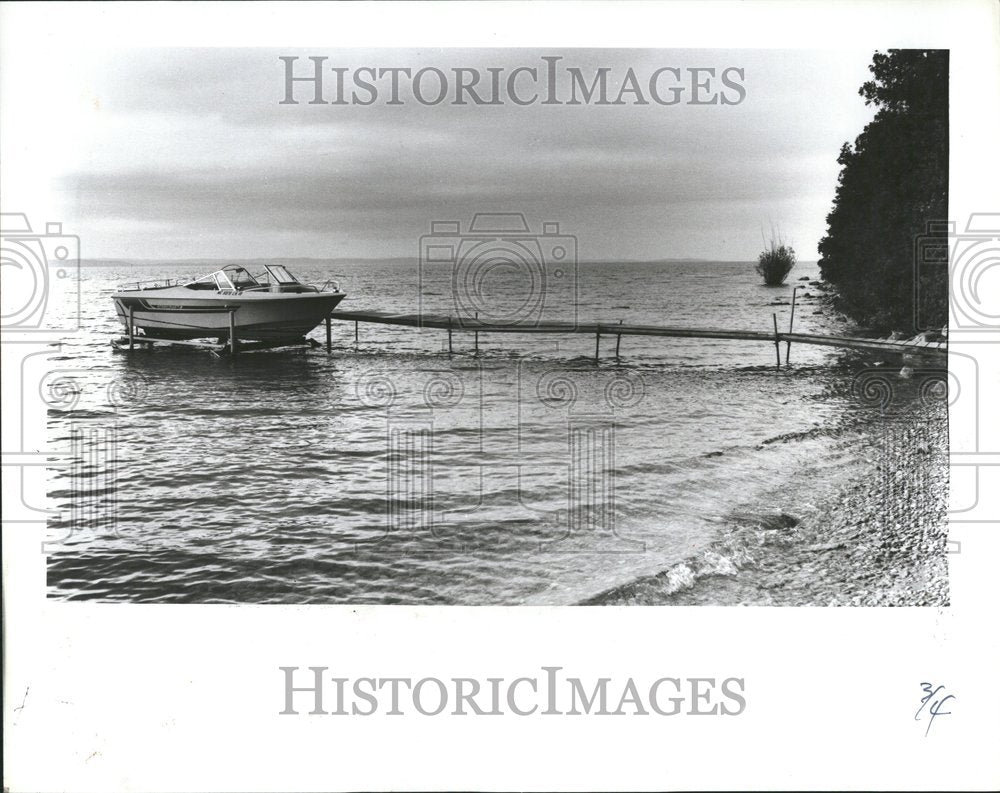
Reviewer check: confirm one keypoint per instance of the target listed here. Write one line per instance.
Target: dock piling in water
(232, 331)
(618, 342)
(329, 335)
(777, 340)
(131, 328)
(791, 324)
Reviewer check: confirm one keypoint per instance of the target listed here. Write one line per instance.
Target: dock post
(355, 331)
(232, 331)
(131, 328)
(618, 342)
(477, 335)
(777, 341)
(449, 335)
(597, 349)
(329, 338)
(791, 324)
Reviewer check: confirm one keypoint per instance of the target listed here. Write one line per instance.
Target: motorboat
(271, 306)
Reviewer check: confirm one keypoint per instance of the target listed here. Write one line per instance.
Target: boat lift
(230, 345)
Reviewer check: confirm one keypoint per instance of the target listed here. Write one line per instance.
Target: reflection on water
(391, 472)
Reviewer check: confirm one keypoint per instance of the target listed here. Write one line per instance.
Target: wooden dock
(597, 329)
(617, 330)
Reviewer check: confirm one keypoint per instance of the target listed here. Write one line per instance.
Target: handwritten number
(930, 692)
(936, 707)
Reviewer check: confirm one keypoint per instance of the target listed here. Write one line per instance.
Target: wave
(723, 558)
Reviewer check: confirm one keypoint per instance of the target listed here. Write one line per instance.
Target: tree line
(893, 182)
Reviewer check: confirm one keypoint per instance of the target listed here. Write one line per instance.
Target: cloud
(193, 146)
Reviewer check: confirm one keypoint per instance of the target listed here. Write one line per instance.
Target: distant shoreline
(396, 260)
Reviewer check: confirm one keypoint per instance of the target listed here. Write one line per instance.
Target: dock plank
(465, 324)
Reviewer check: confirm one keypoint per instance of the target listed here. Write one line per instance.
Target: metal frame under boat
(231, 346)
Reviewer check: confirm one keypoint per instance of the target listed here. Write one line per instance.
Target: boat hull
(256, 317)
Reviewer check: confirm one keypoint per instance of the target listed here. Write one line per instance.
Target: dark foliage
(893, 182)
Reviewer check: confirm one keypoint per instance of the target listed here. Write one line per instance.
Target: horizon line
(668, 259)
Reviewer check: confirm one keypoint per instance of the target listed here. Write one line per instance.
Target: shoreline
(883, 540)
(875, 536)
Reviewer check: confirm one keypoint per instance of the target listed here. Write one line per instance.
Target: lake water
(392, 472)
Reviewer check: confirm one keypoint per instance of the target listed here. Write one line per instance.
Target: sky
(189, 153)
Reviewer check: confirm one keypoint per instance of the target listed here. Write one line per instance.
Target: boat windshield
(280, 274)
(216, 280)
(240, 277)
(232, 277)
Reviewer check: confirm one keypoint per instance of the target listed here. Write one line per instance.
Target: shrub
(776, 262)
